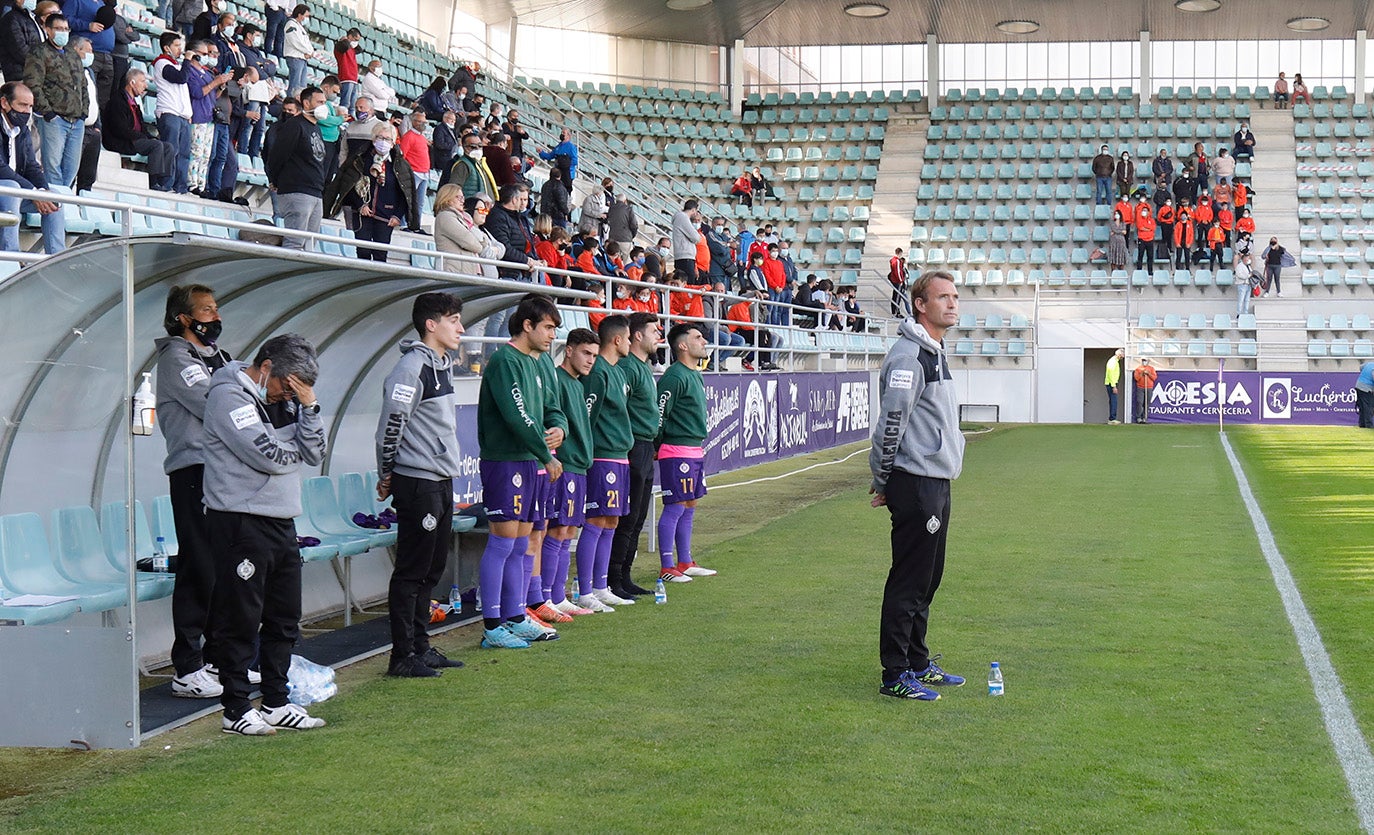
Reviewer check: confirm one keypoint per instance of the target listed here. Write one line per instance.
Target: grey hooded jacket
(917, 430)
(250, 466)
(417, 429)
(183, 382)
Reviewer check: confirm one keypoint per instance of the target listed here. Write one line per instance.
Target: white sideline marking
(792, 473)
(1350, 745)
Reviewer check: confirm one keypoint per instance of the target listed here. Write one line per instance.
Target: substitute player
(608, 480)
(917, 451)
(417, 460)
(645, 337)
(681, 457)
(510, 435)
(567, 507)
(538, 607)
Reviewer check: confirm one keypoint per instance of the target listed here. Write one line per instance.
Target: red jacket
(741, 312)
(1226, 219)
(1145, 226)
(1127, 214)
(1185, 233)
(1215, 236)
(416, 151)
(685, 304)
(585, 263)
(1166, 215)
(1141, 210)
(896, 271)
(348, 61)
(703, 258)
(1203, 213)
(595, 318)
(774, 274)
(1246, 224)
(1239, 194)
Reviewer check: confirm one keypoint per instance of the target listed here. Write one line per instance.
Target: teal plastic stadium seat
(322, 507)
(27, 567)
(82, 557)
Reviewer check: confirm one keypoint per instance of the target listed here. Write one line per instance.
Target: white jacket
(171, 98)
(297, 43)
(383, 97)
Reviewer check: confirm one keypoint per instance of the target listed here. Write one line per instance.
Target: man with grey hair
(622, 223)
(124, 131)
(252, 495)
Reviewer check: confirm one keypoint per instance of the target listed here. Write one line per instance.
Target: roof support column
(1360, 37)
(1144, 67)
(932, 69)
(735, 79)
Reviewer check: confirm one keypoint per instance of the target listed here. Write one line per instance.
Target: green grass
(1152, 683)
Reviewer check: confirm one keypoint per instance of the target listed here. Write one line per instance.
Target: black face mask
(207, 332)
(16, 118)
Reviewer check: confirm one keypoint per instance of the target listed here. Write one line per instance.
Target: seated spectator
(586, 259)
(829, 315)
(759, 185)
(125, 132)
(19, 168)
(715, 306)
(744, 320)
(849, 305)
(1281, 93)
(743, 189)
(806, 297)
(609, 262)
(1243, 143)
(494, 118)
(431, 100)
(1224, 166)
(374, 86)
(552, 249)
(1300, 93)
(459, 229)
(634, 265)
(598, 303)
(20, 33)
(1161, 193)
(1245, 223)
(1241, 194)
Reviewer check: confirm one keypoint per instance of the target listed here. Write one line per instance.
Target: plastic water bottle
(995, 680)
(455, 600)
(660, 593)
(160, 554)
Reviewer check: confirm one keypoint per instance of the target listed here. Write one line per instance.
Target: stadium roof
(817, 22)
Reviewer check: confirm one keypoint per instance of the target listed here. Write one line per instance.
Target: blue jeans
(61, 148)
(348, 95)
(176, 130)
(725, 337)
(774, 313)
(253, 129)
(786, 312)
(297, 75)
(1243, 294)
(275, 39)
(219, 152)
(54, 225)
(1102, 190)
(1111, 402)
(422, 194)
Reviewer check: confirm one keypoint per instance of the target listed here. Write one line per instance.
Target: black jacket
(514, 231)
(295, 162)
(554, 200)
(29, 174)
(19, 33)
(117, 125)
(720, 256)
(340, 191)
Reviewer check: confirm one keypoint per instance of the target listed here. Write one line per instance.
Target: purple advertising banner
(1280, 397)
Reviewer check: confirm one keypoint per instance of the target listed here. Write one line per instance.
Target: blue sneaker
(502, 638)
(933, 676)
(530, 631)
(907, 686)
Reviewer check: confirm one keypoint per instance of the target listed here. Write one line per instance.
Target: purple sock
(586, 557)
(559, 560)
(667, 529)
(548, 571)
(603, 559)
(684, 534)
(512, 588)
(490, 571)
(527, 568)
(531, 584)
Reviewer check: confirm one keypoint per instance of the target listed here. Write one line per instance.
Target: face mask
(16, 118)
(378, 72)
(207, 332)
(639, 262)
(381, 146)
(88, 59)
(644, 295)
(322, 112)
(30, 5)
(229, 31)
(353, 44)
(363, 115)
(665, 252)
(59, 39)
(475, 153)
(262, 390)
(620, 294)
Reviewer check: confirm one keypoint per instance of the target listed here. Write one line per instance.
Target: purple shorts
(546, 508)
(608, 488)
(567, 506)
(510, 490)
(682, 479)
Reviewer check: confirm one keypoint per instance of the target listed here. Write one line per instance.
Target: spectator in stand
(1243, 143)
(464, 76)
(830, 306)
(1221, 194)
(509, 225)
(1164, 220)
(415, 148)
(1141, 208)
(775, 277)
(703, 260)
(250, 45)
(1275, 258)
(54, 74)
(1125, 174)
(1163, 168)
(381, 190)
(204, 27)
(222, 38)
(346, 58)
(622, 223)
(1226, 220)
(554, 199)
(494, 117)
(593, 215)
(124, 34)
(1240, 195)
(1201, 166)
(517, 133)
(1145, 239)
(1245, 223)
(358, 133)
(1127, 212)
(806, 297)
(1224, 167)
(467, 108)
(1183, 235)
(1161, 194)
(124, 132)
(1281, 93)
(1117, 231)
(298, 50)
(1204, 217)
(223, 172)
(1247, 281)
(458, 229)
(20, 33)
(744, 319)
(755, 280)
(743, 189)
(203, 85)
(1300, 93)
(274, 42)
(331, 126)
(760, 185)
(1185, 186)
(588, 257)
(19, 168)
(432, 99)
(849, 305)
(789, 268)
(716, 306)
(546, 248)
(470, 170)
(173, 108)
(684, 241)
(497, 155)
(295, 168)
(90, 138)
(445, 142)
(563, 155)
(1104, 169)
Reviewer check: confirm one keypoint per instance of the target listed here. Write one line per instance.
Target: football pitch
(1153, 682)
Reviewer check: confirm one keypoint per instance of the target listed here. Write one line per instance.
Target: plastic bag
(308, 682)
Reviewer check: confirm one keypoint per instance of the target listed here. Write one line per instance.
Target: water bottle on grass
(995, 680)
(660, 593)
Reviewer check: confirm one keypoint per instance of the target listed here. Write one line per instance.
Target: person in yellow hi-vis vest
(1113, 380)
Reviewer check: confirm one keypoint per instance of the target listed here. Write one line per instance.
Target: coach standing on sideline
(417, 459)
(917, 451)
(252, 496)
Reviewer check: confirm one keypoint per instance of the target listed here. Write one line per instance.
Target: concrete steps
(894, 196)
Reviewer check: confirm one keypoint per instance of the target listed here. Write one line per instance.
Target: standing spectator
(275, 39)
(776, 278)
(593, 215)
(1201, 166)
(415, 148)
(1163, 167)
(94, 20)
(1125, 174)
(374, 86)
(1204, 216)
(1117, 253)
(250, 43)
(745, 321)
(563, 155)
(1145, 239)
(20, 33)
(298, 49)
(509, 225)
(1246, 280)
(1300, 93)
(495, 115)
(206, 21)
(1164, 218)
(346, 57)
(517, 133)
(470, 170)
(173, 108)
(444, 143)
(1145, 378)
(203, 86)
(124, 132)
(56, 77)
(1224, 167)
(1112, 380)
(1104, 169)
(1185, 186)
(358, 133)
(90, 138)
(684, 241)
(1364, 395)
(184, 14)
(230, 54)
(1281, 93)
(1123, 207)
(621, 222)
(1275, 259)
(1161, 194)
(331, 125)
(498, 160)
(124, 34)
(1243, 143)
(1184, 236)
(554, 199)
(295, 168)
(463, 76)
(19, 168)
(380, 189)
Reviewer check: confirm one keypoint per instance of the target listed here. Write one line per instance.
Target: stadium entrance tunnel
(77, 332)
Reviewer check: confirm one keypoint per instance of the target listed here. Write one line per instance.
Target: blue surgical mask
(262, 389)
(59, 39)
(88, 59)
(30, 5)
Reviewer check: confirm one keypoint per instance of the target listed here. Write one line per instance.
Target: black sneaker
(411, 667)
(635, 589)
(621, 591)
(434, 659)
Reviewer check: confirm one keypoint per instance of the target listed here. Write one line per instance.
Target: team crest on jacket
(934, 524)
(429, 523)
(246, 569)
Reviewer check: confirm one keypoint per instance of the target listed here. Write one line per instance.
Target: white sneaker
(249, 724)
(610, 599)
(566, 606)
(254, 677)
(291, 717)
(694, 570)
(591, 601)
(1280, 294)
(202, 684)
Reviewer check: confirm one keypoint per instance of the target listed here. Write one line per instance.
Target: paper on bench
(35, 599)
